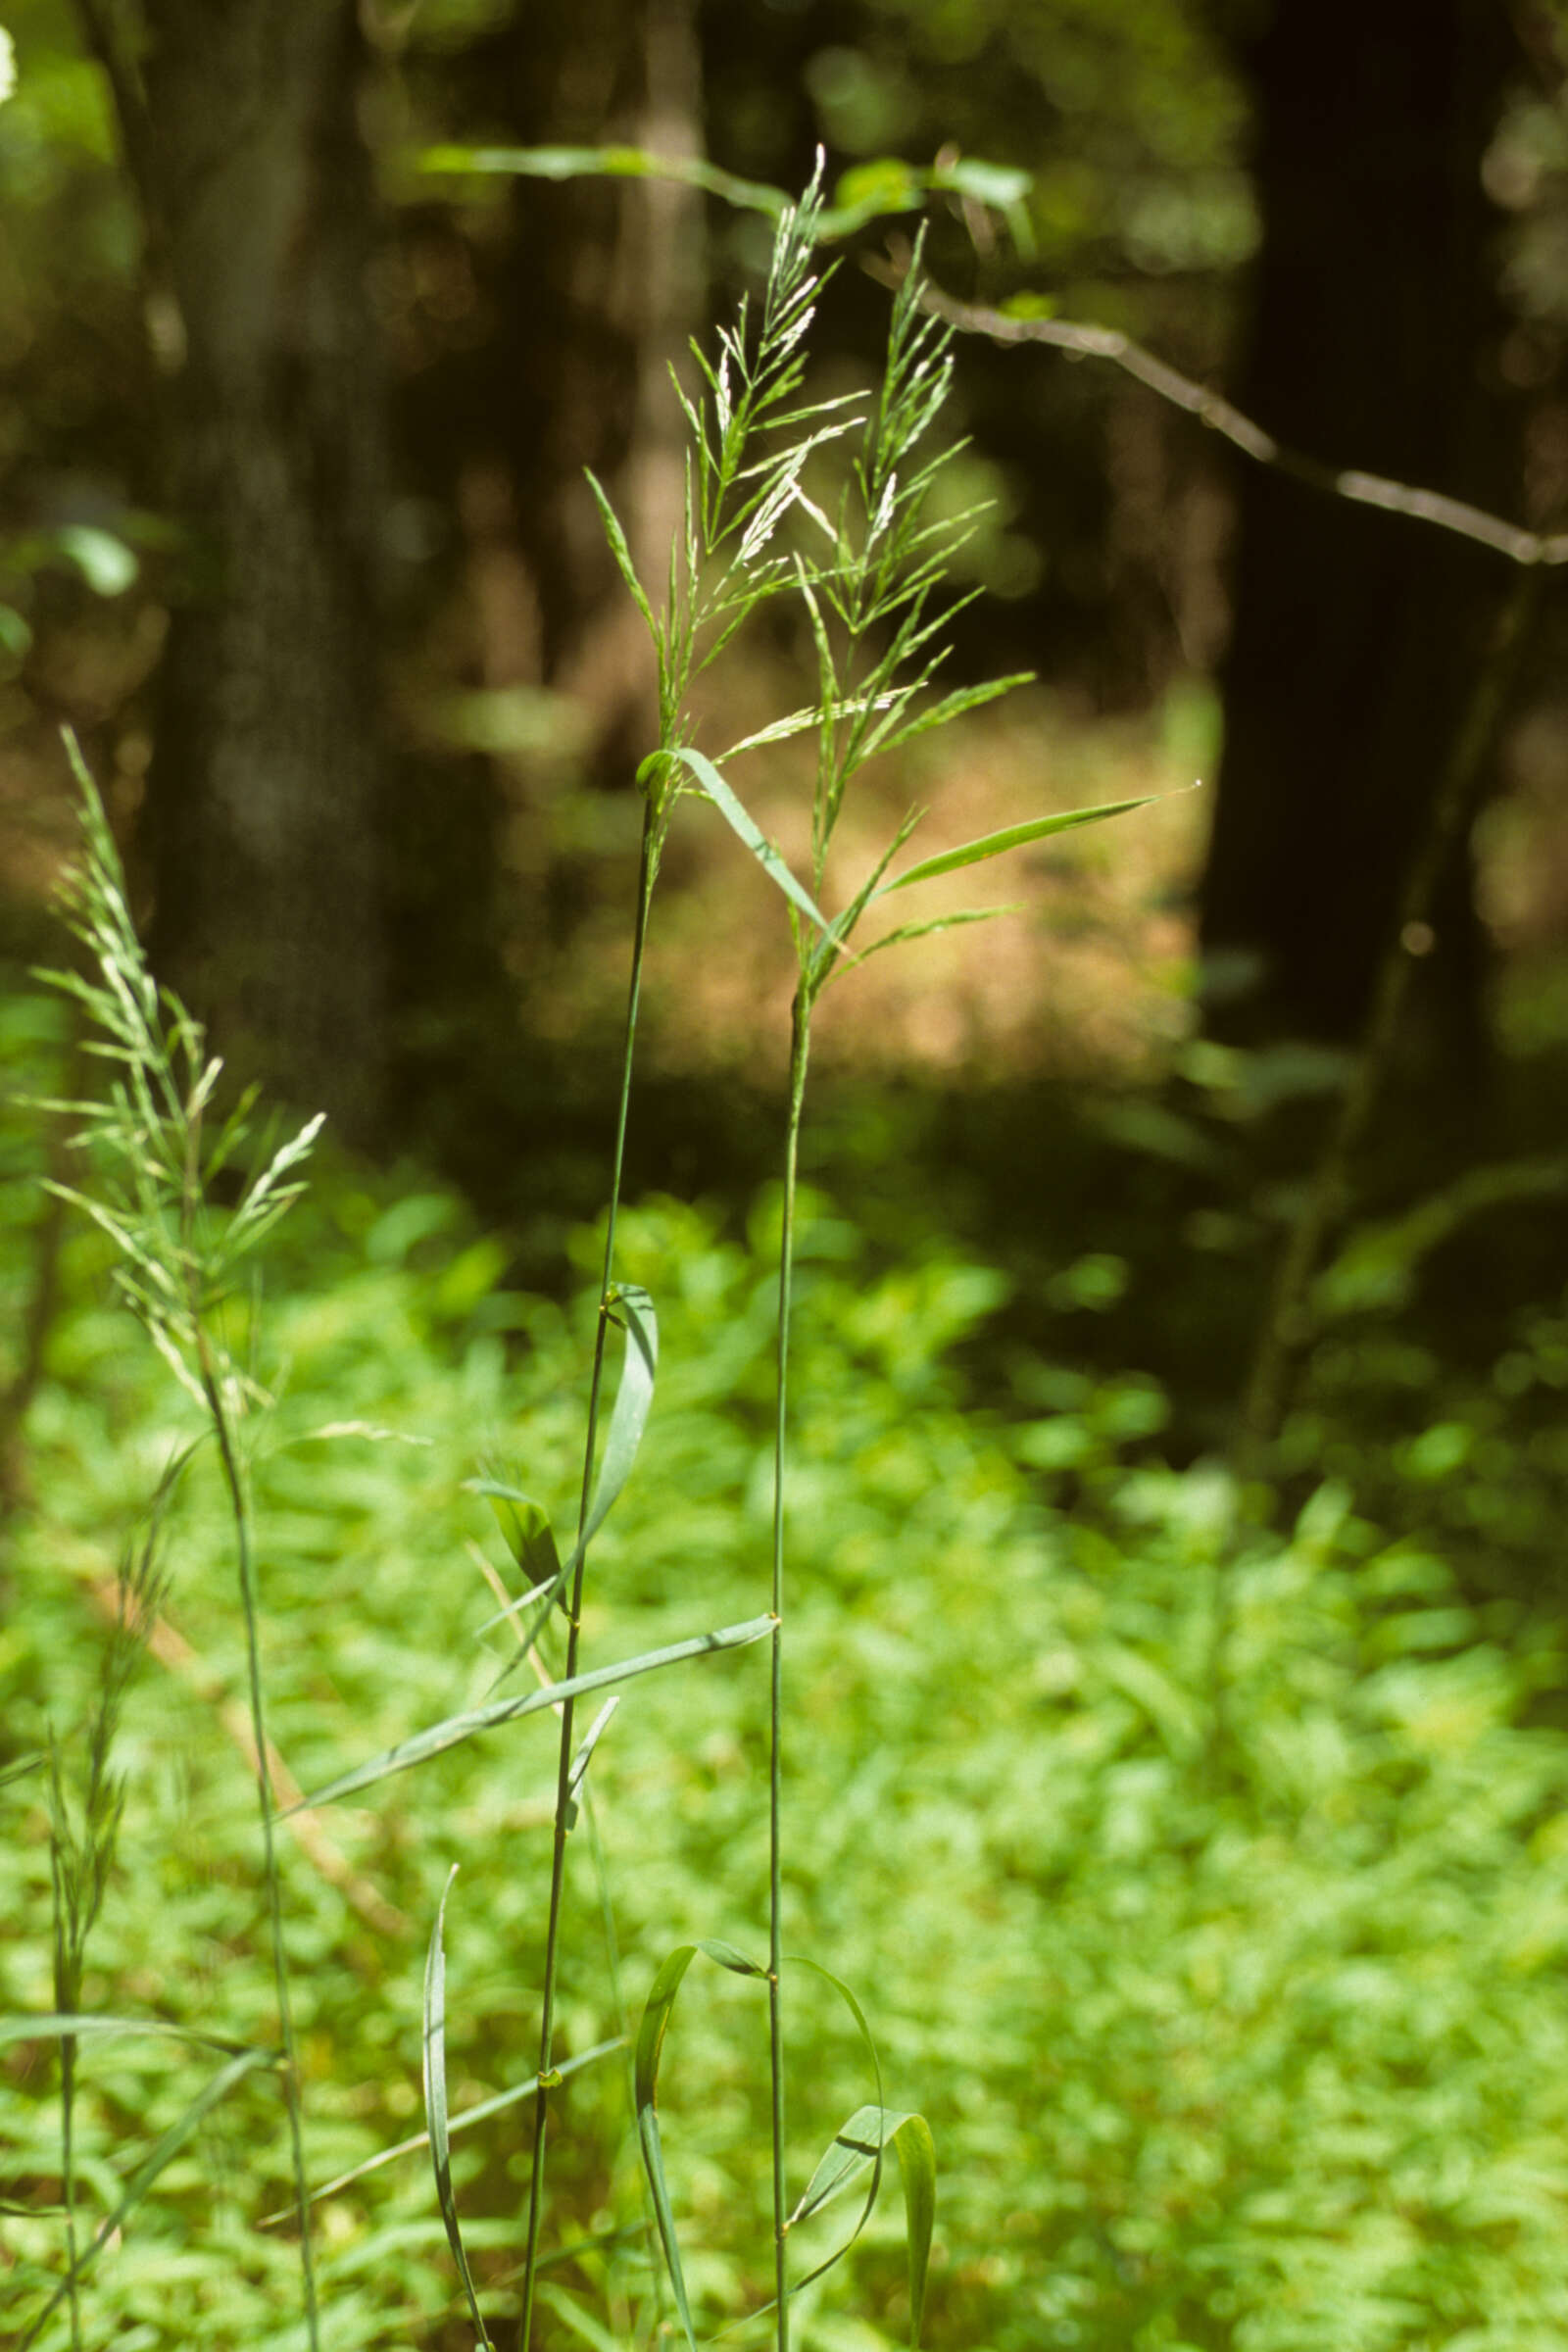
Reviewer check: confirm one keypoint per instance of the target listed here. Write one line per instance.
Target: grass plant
(177, 1253)
(1249, 2060)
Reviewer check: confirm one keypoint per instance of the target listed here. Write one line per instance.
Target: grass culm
(787, 495)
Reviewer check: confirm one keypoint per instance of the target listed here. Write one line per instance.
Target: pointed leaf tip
(1013, 837)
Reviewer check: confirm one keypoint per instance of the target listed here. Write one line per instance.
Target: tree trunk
(1356, 633)
(262, 805)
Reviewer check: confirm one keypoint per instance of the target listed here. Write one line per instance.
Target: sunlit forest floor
(1200, 1863)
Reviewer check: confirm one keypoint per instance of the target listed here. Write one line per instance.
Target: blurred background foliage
(1240, 2027)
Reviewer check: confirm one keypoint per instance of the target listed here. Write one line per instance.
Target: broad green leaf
(713, 786)
(650, 2048)
(106, 565)
(441, 1735)
(16, 637)
(526, 1526)
(1000, 185)
(632, 1308)
(872, 190)
(162, 2153)
(435, 2098)
(1011, 837)
(917, 2165)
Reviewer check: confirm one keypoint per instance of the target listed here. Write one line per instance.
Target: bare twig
(1082, 341)
(1286, 1324)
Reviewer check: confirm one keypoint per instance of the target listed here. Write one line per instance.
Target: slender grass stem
(799, 1054)
(239, 1508)
(647, 873)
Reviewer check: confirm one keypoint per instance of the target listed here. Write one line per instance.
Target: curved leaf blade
(650, 2048)
(435, 2098)
(633, 1310)
(916, 2152)
(418, 1748)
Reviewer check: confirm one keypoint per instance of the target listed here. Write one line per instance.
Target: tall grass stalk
(157, 1155)
(81, 1860)
(750, 441)
(866, 580)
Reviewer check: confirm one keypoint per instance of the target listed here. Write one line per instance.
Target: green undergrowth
(1209, 1888)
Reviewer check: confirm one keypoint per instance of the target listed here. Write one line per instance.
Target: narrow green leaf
(952, 705)
(917, 2165)
(622, 554)
(162, 2153)
(20, 1766)
(632, 1308)
(650, 2048)
(435, 2100)
(853, 2146)
(907, 931)
(612, 163)
(441, 1735)
(1013, 837)
(870, 2045)
(526, 1526)
(51, 2025)
(464, 2122)
(584, 1757)
(713, 784)
(727, 1956)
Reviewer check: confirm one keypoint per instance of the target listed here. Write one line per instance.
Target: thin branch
(1083, 341)
(1287, 1326)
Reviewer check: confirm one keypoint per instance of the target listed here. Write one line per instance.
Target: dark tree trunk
(1357, 634)
(263, 797)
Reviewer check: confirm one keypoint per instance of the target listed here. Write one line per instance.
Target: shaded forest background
(295, 532)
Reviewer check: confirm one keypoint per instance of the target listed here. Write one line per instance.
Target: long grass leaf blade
(956, 705)
(917, 2165)
(162, 2153)
(650, 2048)
(1013, 837)
(907, 931)
(50, 2026)
(631, 1308)
(875, 2183)
(464, 2122)
(455, 1728)
(435, 2098)
(713, 784)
